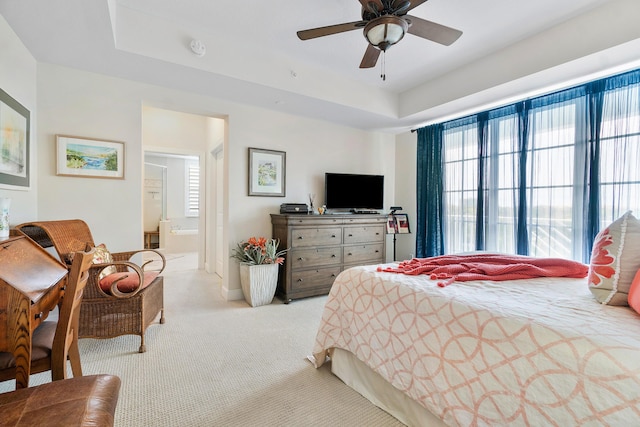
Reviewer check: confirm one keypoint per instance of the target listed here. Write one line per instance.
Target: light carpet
(218, 363)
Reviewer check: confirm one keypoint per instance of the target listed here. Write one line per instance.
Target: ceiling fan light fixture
(385, 31)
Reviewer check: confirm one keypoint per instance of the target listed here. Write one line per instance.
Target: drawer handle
(301, 259)
(349, 254)
(300, 237)
(350, 235)
(377, 251)
(377, 234)
(299, 280)
(333, 275)
(333, 235)
(333, 255)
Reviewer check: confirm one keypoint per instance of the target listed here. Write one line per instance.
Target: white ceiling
(254, 56)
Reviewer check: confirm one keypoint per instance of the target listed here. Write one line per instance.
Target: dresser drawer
(372, 253)
(314, 278)
(301, 258)
(364, 234)
(366, 220)
(316, 220)
(301, 237)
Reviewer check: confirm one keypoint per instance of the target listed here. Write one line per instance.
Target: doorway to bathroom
(180, 188)
(171, 207)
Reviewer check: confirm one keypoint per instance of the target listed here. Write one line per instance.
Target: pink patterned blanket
(464, 268)
(536, 352)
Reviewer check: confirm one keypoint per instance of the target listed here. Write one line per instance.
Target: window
(192, 190)
(620, 154)
(551, 184)
(460, 187)
(542, 176)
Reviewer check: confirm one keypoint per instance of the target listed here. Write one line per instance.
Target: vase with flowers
(259, 259)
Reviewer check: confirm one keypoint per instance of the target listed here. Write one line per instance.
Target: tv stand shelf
(321, 246)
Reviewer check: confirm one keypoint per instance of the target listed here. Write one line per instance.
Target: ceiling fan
(385, 23)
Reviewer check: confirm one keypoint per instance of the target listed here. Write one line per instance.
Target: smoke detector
(198, 48)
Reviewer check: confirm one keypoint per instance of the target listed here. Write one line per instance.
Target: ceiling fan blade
(416, 3)
(370, 57)
(432, 31)
(331, 29)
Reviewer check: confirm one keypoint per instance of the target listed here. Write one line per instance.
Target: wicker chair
(106, 314)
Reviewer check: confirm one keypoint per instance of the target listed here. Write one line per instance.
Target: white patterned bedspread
(517, 353)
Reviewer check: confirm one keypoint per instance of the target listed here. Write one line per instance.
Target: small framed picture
(392, 225)
(403, 223)
(267, 170)
(89, 158)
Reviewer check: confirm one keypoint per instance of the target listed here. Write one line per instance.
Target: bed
(517, 352)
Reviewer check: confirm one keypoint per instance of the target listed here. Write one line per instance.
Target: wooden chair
(106, 312)
(55, 342)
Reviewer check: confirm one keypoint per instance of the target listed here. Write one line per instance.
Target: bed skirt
(372, 386)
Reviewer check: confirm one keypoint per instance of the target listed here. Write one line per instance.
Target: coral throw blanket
(464, 268)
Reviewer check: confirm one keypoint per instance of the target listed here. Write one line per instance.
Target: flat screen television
(346, 191)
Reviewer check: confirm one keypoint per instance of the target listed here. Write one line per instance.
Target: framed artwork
(392, 225)
(267, 170)
(14, 143)
(403, 223)
(89, 158)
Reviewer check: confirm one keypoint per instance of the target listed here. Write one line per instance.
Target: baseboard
(231, 295)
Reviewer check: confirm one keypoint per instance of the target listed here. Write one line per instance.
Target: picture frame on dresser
(402, 221)
(392, 225)
(15, 124)
(267, 172)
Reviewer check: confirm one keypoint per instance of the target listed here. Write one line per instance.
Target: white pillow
(615, 259)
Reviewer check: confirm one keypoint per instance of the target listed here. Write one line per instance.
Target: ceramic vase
(259, 283)
(5, 204)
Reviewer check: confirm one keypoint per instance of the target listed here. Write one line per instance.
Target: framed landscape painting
(14, 143)
(266, 172)
(89, 158)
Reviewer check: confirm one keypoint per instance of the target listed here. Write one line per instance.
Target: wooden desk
(31, 284)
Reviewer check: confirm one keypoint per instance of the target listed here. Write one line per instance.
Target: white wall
(83, 104)
(405, 182)
(18, 79)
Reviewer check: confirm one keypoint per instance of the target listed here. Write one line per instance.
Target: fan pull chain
(383, 74)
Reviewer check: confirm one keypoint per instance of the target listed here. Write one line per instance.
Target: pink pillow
(615, 259)
(634, 293)
(129, 283)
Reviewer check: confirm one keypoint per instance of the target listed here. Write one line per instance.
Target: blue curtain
(522, 235)
(591, 221)
(430, 215)
(483, 144)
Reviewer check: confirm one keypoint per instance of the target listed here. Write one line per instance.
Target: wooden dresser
(321, 246)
